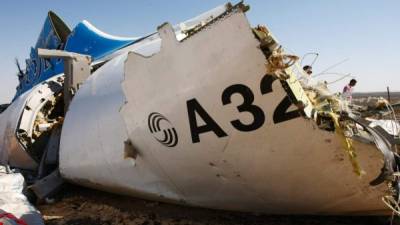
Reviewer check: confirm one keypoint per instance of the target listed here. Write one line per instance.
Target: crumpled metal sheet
(390, 126)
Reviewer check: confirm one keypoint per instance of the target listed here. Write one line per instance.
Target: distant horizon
(366, 92)
(377, 93)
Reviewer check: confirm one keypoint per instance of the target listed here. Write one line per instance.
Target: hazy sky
(366, 32)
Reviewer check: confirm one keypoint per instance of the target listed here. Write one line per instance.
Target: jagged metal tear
(391, 159)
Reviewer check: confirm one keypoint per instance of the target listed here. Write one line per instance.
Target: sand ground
(82, 206)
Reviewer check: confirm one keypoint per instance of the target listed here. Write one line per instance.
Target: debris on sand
(81, 206)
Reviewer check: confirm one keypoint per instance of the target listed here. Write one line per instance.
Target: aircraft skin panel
(103, 161)
(84, 39)
(52, 36)
(88, 40)
(11, 151)
(190, 125)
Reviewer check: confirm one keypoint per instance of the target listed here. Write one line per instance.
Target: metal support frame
(76, 69)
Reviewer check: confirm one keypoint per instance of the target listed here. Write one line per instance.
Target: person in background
(348, 90)
(306, 80)
(307, 69)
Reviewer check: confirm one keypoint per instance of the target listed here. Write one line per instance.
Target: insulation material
(13, 201)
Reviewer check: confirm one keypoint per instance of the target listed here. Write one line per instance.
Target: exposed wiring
(392, 204)
(307, 54)
(341, 78)
(330, 67)
(332, 73)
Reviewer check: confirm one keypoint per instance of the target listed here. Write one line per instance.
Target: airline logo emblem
(162, 129)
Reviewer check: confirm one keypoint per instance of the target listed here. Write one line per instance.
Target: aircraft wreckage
(206, 113)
